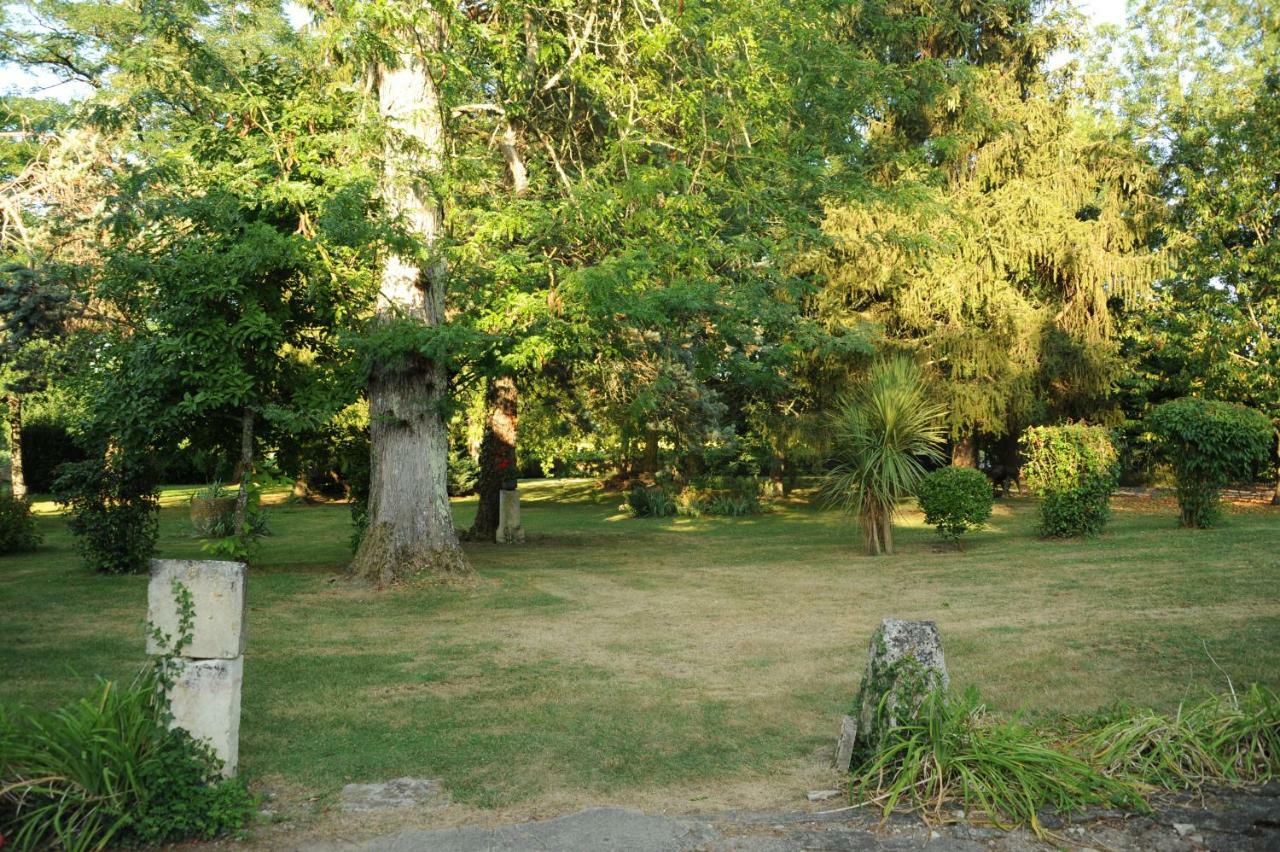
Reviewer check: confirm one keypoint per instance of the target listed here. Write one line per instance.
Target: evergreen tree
(995, 233)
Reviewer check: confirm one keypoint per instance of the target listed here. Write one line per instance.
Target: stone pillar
(205, 696)
(509, 529)
(904, 664)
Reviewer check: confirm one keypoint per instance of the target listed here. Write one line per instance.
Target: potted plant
(212, 508)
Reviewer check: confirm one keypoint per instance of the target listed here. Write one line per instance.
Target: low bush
(114, 506)
(650, 501)
(726, 496)
(955, 500)
(951, 751)
(224, 541)
(106, 771)
(1209, 444)
(18, 533)
(1073, 470)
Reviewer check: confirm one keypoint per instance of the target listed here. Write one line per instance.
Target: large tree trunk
(16, 478)
(649, 464)
(497, 455)
(245, 466)
(964, 452)
(1275, 497)
(410, 523)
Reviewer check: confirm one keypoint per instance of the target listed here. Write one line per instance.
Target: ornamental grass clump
(1073, 470)
(1209, 444)
(1222, 739)
(951, 751)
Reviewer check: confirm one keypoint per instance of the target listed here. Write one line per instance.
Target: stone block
(397, 793)
(844, 745)
(205, 701)
(904, 664)
(509, 529)
(218, 592)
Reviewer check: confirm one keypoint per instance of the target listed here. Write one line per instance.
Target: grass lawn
(681, 663)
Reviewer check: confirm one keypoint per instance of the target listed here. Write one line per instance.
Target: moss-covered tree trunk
(16, 478)
(410, 525)
(497, 454)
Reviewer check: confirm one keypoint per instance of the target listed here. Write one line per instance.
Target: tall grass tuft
(1231, 739)
(952, 751)
(106, 771)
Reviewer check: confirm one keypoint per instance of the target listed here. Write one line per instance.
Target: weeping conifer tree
(996, 234)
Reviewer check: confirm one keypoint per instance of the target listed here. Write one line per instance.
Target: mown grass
(661, 661)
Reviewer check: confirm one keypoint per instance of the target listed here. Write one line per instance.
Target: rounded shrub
(1073, 470)
(1209, 444)
(955, 500)
(18, 532)
(114, 505)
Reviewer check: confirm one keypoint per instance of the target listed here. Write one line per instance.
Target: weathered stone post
(509, 529)
(205, 696)
(904, 664)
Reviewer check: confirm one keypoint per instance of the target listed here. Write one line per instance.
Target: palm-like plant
(882, 431)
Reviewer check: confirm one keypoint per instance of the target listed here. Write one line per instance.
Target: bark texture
(1275, 496)
(16, 478)
(410, 528)
(245, 465)
(497, 454)
(964, 453)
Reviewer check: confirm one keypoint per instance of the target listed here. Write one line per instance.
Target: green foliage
(1196, 86)
(18, 531)
(950, 750)
(227, 542)
(882, 432)
(107, 770)
(727, 496)
(1226, 739)
(46, 446)
(955, 500)
(1073, 470)
(994, 231)
(114, 504)
(1209, 444)
(650, 501)
(464, 473)
(711, 496)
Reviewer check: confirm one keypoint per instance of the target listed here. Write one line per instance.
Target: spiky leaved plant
(883, 430)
